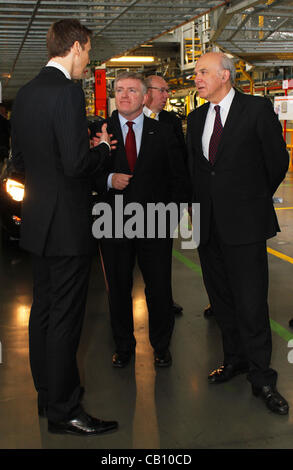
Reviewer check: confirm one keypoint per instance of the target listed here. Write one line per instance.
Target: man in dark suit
(50, 142)
(157, 95)
(157, 174)
(237, 159)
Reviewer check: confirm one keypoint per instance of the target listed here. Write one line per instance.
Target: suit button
(213, 173)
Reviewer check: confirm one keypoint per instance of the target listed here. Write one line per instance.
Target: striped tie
(216, 136)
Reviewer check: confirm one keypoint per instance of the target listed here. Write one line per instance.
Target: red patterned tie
(216, 136)
(130, 147)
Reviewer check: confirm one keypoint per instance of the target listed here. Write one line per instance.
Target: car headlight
(15, 189)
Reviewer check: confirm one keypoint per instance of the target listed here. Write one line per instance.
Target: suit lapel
(202, 120)
(117, 132)
(147, 131)
(203, 110)
(116, 127)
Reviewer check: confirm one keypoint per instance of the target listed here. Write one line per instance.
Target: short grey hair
(228, 64)
(133, 76)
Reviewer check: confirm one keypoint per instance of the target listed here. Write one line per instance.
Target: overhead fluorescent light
(133, 59)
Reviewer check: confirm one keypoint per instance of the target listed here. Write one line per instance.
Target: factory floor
(172, 408)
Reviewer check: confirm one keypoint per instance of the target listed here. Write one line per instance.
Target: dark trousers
(59, 299)
(236, 280)
(154, 260)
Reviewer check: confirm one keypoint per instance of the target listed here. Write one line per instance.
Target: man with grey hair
(237, 159)
(146, 168)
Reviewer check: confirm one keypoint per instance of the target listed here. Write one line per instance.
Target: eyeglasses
(161, 90)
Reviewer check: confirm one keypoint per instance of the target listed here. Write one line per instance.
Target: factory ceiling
(261, 32)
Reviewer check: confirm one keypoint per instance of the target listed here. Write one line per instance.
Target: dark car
(11, 196)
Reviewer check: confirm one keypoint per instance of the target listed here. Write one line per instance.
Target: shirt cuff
(109, 181)
(104, 142)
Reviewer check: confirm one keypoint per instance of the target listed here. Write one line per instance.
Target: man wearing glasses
(157, 95)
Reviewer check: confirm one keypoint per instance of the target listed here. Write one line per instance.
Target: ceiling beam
(37, 4)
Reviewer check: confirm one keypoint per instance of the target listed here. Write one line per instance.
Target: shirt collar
(52, 63)
(148, 111)
(138, 120)
(226, 101)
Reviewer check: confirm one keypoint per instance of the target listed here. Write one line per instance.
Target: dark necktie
(130, 147)
(216, 136)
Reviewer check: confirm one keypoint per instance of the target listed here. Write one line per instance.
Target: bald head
(214, 76)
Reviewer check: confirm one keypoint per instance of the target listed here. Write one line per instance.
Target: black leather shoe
(226, 372)
(208, 312)
(163, 359)
(82, 425)
(272, 398)
(177, 309)
(121, 359)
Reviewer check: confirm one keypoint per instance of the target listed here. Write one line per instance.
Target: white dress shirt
(148, 113)
(210, 120)
(137, 128)
(52, 63)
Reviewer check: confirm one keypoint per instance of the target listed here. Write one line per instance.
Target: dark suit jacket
(4, 134)
(159, 175)
(251, 162)
(171, 118)
(50, 143)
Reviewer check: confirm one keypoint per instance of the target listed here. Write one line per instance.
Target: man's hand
(120, 180)
(104, 136)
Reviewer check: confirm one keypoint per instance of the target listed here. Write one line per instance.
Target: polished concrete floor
(173, 408)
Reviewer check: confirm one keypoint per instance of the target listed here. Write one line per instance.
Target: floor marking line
(275, 326)
(281, 331)
(190, 264)
(282, 208)
(280, 255)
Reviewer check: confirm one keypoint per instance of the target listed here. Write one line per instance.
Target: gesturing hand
(104, 136)
(120, 180)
